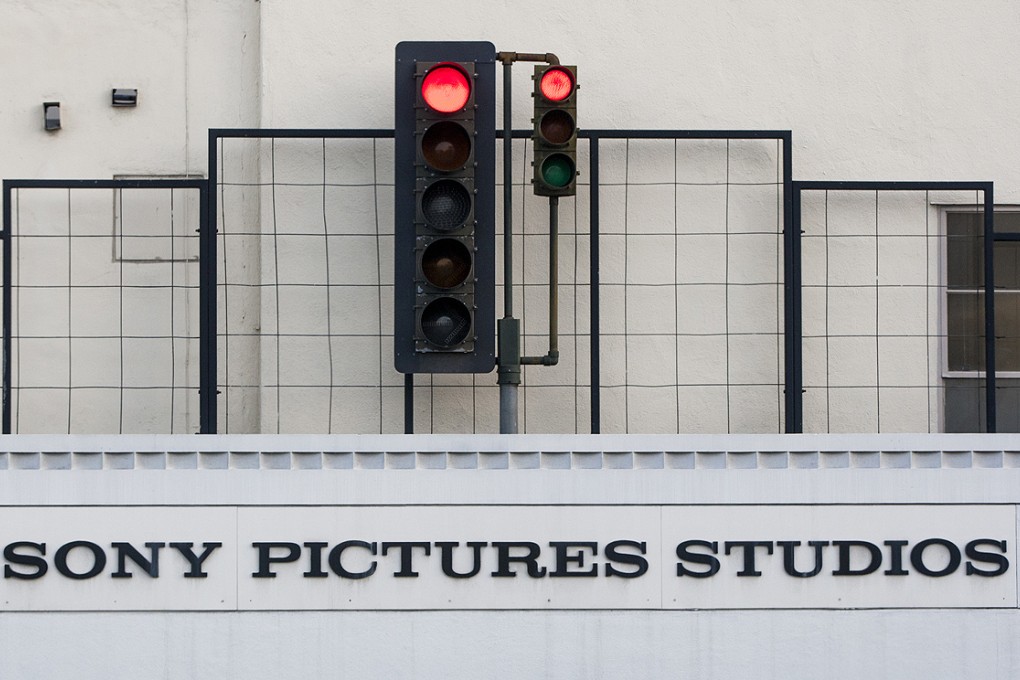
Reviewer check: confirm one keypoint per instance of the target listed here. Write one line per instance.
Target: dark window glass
(965, 323)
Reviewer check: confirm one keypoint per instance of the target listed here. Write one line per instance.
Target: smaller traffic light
(555, 131)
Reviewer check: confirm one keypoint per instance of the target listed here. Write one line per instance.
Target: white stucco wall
(870, 91)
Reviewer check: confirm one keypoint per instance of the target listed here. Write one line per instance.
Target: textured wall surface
(691, 257)
(706, 471)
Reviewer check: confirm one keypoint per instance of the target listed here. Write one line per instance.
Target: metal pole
(207, 298)
(7, 310)
(552, 357)
(509, 377)
(593, 333)
(989, 256)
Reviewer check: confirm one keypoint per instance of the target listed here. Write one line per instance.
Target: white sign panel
(507, 557)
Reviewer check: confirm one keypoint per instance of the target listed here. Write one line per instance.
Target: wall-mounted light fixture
(124, 96)
(51, 115)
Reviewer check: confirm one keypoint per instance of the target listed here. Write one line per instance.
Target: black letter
(563, 558)
(684, 554)
(896, 557)
(315, 561)
(789, 563)
(748, 548)
(917, 557)
(266, 558)
(28, 560)
(614, 555)
(979, 556)
(195, 561)
(406, 554)
(125, 550)
(504, 558)
(98, 559)
(338, 551)
(844, 558)
(446, 549)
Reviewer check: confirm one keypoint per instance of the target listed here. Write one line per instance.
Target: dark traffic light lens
(446, 146)
(557, 170)
(446, 205)
(556, 84)
(557, 126)
(445, 322)
(446, 263)
(446, 88)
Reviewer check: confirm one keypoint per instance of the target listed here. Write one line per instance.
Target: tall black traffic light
(444, 176)
(555, 132)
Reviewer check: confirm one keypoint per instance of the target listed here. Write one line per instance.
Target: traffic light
(555, 133)
(444, 177)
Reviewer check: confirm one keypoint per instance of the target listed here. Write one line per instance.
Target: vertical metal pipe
(989, 256)
(508, 196)
(554, 276)
(593, 174)
(509, 329)
(7, 310)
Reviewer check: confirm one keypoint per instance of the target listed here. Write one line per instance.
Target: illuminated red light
(446, 89)
(556, 84)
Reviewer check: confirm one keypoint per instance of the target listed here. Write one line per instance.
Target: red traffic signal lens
(556, 84)
(446, 146)
(446, 88)
(445, 322)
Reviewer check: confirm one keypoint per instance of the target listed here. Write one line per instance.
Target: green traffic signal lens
(557, 170)
(445, 322)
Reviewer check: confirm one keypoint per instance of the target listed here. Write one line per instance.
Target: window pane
(963, 250)
(965, 344)
(966, 330)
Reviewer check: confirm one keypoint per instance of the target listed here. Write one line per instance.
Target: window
(964, 351)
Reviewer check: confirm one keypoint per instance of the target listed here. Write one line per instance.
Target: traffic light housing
(555, 130)
(444, 209)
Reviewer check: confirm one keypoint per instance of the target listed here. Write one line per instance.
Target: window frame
(944, 211)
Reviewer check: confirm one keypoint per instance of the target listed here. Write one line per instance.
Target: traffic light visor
(446, 88)
(556, 84)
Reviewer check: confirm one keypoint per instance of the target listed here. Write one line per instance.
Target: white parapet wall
(443, 556)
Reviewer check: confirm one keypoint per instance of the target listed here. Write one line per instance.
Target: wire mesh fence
(893, 310)
(691, 258)
(103, 302)
(305, 296)
(674, 274)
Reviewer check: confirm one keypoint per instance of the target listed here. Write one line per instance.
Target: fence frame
(990, 237)
(207, 391)
(793, 398)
